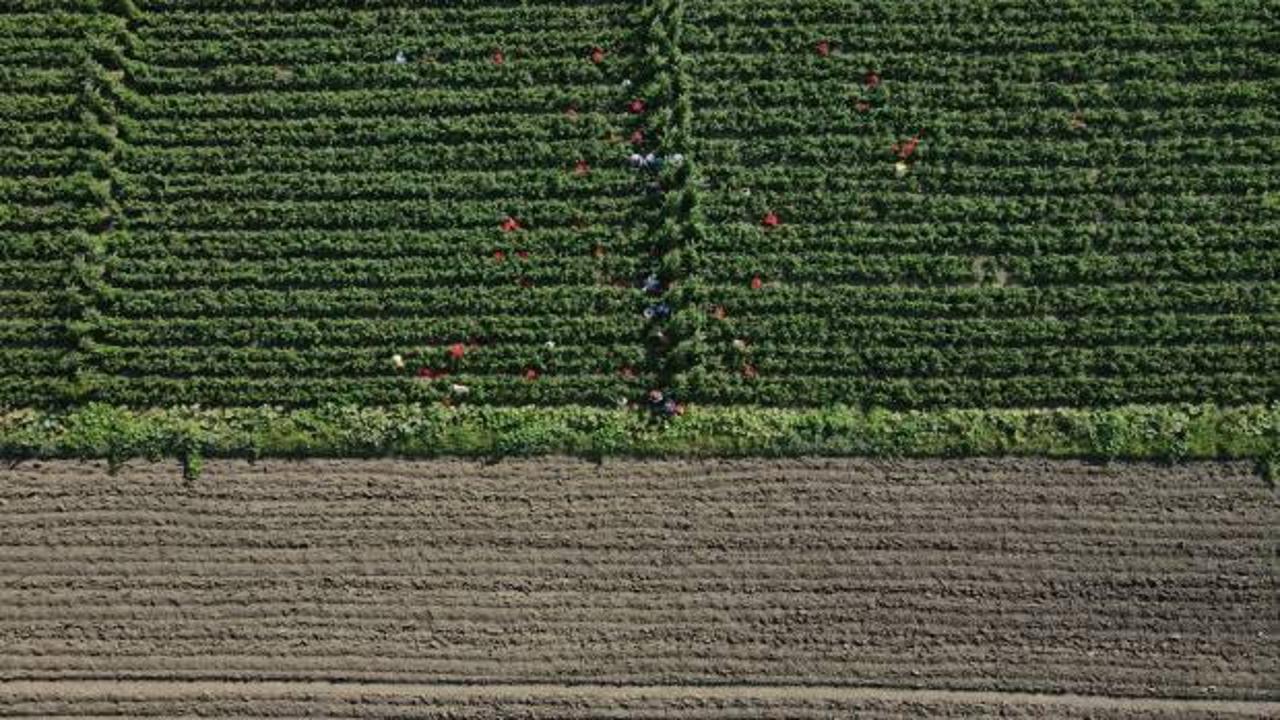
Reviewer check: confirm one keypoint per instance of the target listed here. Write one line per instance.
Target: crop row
(534, 184)
(618, 245)
(170, 25)
(441, 156)
(963, 391)
(375, 131)
(550, 390)
(1041, 270)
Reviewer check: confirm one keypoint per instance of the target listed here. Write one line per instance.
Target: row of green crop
(477, 272)
(172, 24)
(1009, 303)
(730, 94)
(1071, 304)
(774, 359)
(953, 34)
(533, 184)
(851, 239)
(370, 77)
(197, 9)
(464, 100)
(332, 362)
(498, 130)
(866, 332)
(534, 152)
(1039, 270)
(832, 145)
(382, 44)
(869, 174)
(1012, 11)
(1048, 209)
(990, 239)
(352, 301)
(407, 214)
(550, 389)
(619, 244)
(1071, 69)
(1040, 330)
(790, 390)
(1050, 131)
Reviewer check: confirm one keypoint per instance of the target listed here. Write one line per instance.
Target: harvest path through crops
(700, 588)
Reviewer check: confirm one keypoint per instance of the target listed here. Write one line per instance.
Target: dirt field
(811, 588)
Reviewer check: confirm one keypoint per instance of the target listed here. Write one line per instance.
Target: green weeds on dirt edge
(1164, 432)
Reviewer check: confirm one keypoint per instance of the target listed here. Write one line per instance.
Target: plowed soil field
(562, 588)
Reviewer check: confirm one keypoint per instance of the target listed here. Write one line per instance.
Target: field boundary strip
(1164, 432)
(356, 689)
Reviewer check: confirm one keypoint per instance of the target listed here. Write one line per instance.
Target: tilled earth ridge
(999, 575)
(372, 700)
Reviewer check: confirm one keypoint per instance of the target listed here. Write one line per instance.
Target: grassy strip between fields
(1164, 432)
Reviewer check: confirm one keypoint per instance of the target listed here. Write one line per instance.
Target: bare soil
(705, 589)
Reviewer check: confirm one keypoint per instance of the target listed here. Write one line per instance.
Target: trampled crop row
(876, 203)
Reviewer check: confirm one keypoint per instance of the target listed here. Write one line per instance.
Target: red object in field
(771, 219)
(597, 55)
(498, 57)
(824, 48)
(457, 350)
(581, 168)
(531, 374)
(510, 224)
(637, 137)
(427, 373)
(749, 371)
(635, 107)
(872, 81)
(522, 254)
(499, 255)
(905, 150)
(756, 283)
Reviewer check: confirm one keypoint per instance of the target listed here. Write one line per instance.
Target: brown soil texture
(730, 588)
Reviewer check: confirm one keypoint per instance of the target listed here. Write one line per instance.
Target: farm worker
(652, 285)
(661, 311)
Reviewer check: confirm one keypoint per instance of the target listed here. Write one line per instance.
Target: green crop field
(619, 217)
